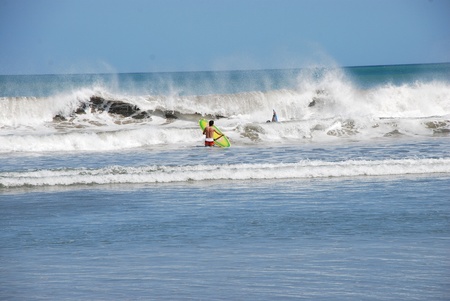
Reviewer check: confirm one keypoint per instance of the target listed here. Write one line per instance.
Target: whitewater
(108, 193)
(170, 174)
(57, 114)
(313, 105)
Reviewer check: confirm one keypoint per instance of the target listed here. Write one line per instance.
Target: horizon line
(231, 70)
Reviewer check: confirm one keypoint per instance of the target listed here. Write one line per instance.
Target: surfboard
(222, 141)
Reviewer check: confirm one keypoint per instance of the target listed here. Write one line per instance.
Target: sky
(109, 36)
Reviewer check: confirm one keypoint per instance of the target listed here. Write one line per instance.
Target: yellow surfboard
(222, 141)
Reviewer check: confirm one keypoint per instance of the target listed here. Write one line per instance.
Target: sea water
(347, 197)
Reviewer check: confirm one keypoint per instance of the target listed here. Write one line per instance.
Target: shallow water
(374, 238)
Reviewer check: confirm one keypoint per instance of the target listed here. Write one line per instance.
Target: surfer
(274, 116)
(209, 133)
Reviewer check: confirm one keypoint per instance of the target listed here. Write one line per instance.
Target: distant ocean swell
(171, 174)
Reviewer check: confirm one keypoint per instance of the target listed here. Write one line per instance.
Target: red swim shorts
(209, 143)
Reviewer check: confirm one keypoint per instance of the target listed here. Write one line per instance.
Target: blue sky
(90, 36)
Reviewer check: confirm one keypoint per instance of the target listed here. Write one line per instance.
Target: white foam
(125, 138)
(169, 174)
(32, 111)
(341, 110)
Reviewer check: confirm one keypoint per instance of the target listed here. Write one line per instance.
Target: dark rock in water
(394, 133)
(117, 107)
(318, 127)
(347, 129)
(252, 131)
(435, 124)
(141, 115)
(440, 128)
(441, 132)
(171, 114)
(97, 100)
(122, 108)
(59, 118)
(80, 111)
(312, 103)
(113, 106)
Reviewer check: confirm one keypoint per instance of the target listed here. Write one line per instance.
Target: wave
(170, 174)
(322, 107)
(308, 101)
(102, 140)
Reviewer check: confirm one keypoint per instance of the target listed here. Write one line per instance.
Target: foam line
(171, 174)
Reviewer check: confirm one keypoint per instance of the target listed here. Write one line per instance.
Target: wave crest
(315, 105)
(171, 174)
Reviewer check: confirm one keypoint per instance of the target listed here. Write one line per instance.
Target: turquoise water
(213, 82)
(347, 199)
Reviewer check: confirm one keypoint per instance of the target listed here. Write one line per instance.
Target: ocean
(107, 192)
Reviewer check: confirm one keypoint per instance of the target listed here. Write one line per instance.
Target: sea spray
(313, 104)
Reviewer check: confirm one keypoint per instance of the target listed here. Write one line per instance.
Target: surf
(305, 169)
(313, 105)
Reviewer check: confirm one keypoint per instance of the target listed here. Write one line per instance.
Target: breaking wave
(311, 107)
(171, 174)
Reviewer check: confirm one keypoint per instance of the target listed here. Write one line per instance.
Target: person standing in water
(209, 133)
(274, 116)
